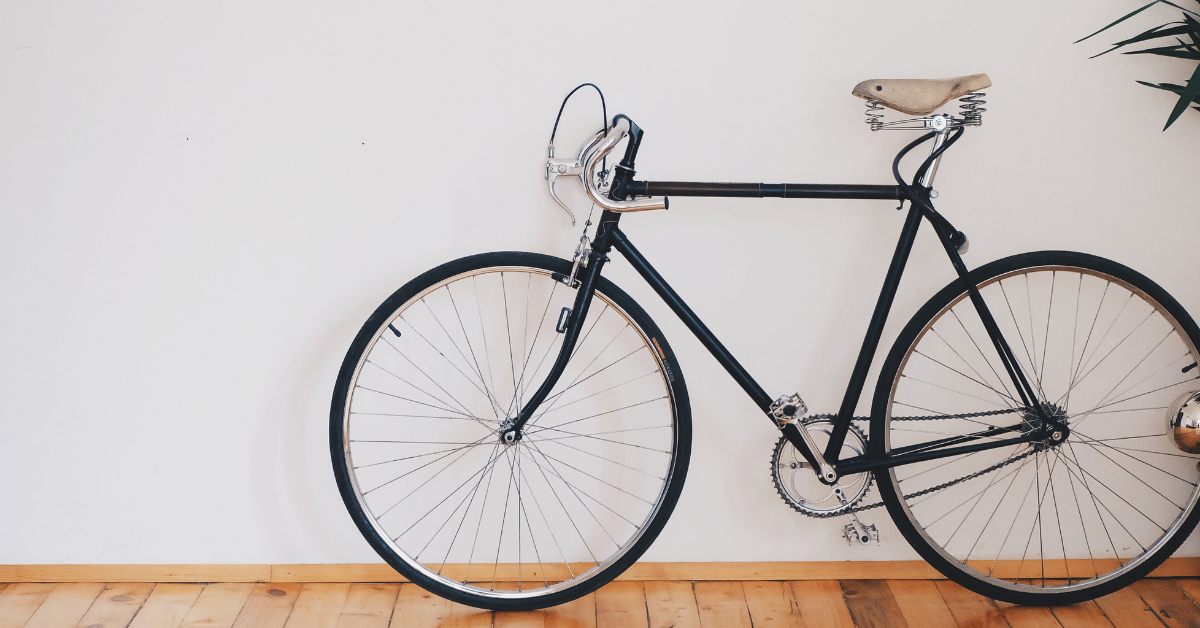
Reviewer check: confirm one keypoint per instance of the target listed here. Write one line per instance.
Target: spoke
(1116, 346)
(554, 399)
(1121, 450)
(576, 492)
(467, 511)
(557, 498)
(465, 451)
(549, 527)
(474, 359)
(428, 416)
(504, 517)
(432, 453)
(457, 349)
(420, 403)
(1095, 502)
(1084, 473)
(1004, 396)
(921, 381)
(1014, 473)
(469, 497)
(1082, 524)
(583, 451)
(452, 493)
(598, 479)
(986, 360)
(1091, 330)
(1108, 395)
(1021, 336)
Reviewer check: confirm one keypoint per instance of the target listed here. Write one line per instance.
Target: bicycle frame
(609, 236)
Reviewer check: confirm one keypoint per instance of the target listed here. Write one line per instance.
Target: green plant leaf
(1154, 33)
(1168, 87)
(1180, 52)
(1127, 16)
(1189, 94)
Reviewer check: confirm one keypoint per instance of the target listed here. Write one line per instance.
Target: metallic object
(593, 154)
(874, 114)
(857, 531)
(799, 487)
(786, 411)
(1183, 422)
(971, 108)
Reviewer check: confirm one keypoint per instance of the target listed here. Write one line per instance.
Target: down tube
(689, 318)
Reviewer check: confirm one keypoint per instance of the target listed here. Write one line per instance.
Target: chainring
(798, 485)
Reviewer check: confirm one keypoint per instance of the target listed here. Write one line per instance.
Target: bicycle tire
(1126, 479)
(622, 456)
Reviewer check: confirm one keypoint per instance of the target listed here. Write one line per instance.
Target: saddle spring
(972, 108)
(874, 114)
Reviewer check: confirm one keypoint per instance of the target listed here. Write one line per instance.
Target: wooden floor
(812, 604)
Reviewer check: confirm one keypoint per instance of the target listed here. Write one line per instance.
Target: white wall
(201, 202)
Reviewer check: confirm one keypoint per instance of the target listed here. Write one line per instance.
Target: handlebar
(590, 155)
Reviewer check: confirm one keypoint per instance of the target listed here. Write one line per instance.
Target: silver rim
(1035, 518)
(422, 448)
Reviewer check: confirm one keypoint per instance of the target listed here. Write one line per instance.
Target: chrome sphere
(1183, 422)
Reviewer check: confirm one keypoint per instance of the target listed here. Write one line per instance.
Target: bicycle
(511, 430)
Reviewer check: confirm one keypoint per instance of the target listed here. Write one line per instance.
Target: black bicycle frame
(609, 236)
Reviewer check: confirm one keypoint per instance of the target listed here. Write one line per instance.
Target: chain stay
(939, 487)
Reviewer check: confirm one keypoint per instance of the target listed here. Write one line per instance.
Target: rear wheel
(1043, 522)
(415, 434)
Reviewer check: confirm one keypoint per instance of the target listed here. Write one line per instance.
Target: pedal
(788, 409)
(862, 533)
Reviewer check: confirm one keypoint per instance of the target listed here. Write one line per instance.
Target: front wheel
(430, 383)
(1043, 522)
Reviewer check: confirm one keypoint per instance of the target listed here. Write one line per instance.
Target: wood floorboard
(579, 613)
(1127, 609)
(20, 601)
(268, 606)
(722, 605)
(116, 605)
(772, 605)
(369, 606)
(872, 604)
(65, 605)
(921, 604)
(167, 605)
(821, 603)
(971, 610)
(1154, 603)
(621, 605)
(318, 605)
(1172, 606)
(671, 605)
(218, 605)
(417, 608)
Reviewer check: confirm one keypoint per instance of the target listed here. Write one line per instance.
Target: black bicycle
(511, 430)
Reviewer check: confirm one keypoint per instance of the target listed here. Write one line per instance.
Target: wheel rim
(1045, 517)
(451, 501)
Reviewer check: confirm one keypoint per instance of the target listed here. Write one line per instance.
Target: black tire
(1118, 479)
(674, 407)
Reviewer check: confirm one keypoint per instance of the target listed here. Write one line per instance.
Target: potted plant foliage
(1179, 39)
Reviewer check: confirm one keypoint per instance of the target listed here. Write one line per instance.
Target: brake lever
(556, 168)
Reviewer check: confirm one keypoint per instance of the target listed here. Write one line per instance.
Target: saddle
(919, 97)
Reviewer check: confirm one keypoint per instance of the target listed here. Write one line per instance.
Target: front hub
(509, 435)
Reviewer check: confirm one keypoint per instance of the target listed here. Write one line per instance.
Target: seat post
(927, 178)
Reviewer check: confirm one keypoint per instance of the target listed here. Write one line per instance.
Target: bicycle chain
(932, 489)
